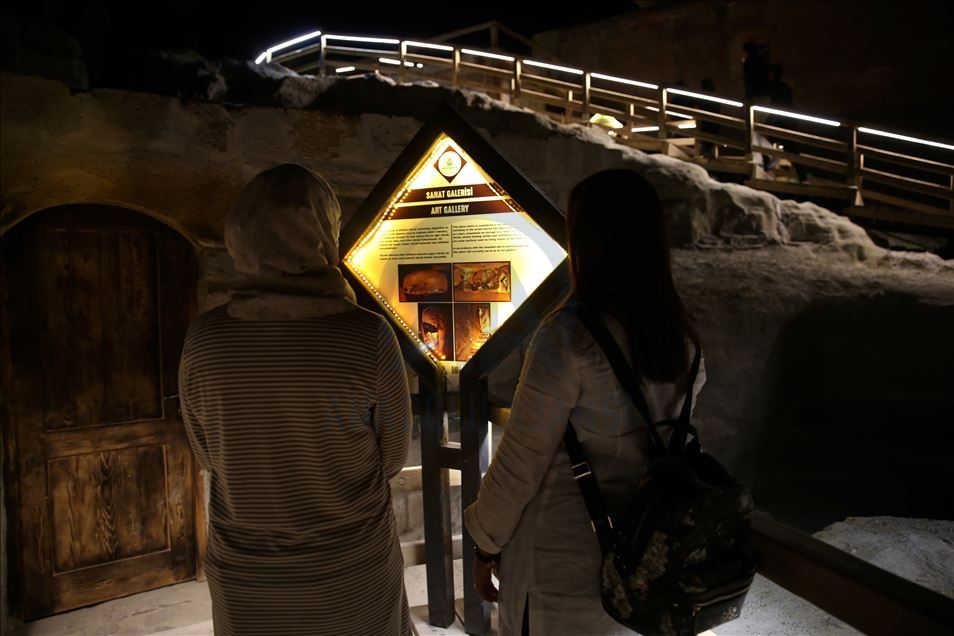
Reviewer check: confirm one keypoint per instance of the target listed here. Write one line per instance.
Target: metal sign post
(464, 257)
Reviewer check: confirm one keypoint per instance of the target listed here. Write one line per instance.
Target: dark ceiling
(216, 28)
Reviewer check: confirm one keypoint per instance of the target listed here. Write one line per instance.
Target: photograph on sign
(482, 281)
(452, 255)
(425, 282)
(471, 328)
(434, 320)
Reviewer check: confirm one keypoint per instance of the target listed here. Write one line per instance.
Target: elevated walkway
(864, 172)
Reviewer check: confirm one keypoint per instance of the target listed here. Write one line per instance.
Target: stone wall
(882, 62)
(828, 357)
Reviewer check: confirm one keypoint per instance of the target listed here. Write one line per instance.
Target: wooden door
(99, 471)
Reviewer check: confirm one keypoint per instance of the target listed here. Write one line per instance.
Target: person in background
(779, 93)
(754, 73)
(781, 97)
(529, 522)
(296, 403)
(676, 99)
(755, 77)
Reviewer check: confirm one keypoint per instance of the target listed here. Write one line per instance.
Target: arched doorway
(96, 302)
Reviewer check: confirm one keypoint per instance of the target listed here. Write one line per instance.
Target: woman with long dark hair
(529, 522)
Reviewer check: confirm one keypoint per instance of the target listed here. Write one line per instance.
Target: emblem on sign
(449, 164)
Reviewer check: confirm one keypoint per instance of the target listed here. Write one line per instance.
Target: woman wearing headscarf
(529, 522)
(296, 402)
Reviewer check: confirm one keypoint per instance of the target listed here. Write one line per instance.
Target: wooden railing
(866, 597)
(865, 171)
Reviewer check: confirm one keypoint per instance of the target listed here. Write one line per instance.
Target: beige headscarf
(282, 232)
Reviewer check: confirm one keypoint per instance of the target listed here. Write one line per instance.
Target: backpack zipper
(697, 607)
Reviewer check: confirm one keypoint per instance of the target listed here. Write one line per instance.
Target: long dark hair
(620, 262)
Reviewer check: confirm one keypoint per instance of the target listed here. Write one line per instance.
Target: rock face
(829, 387)
(828, 357)
(874, 83)
(815, 337)
(920, 550)
(38, 48)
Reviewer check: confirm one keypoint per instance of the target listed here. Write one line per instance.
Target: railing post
(321, 55)
(586, 98)
(854, 169)
(517, 69)
(402, 56)
(662, 113)
(749, 131)
(435, 489)
(861, 175)
(455, 69)
(951, 202)
(475, 457)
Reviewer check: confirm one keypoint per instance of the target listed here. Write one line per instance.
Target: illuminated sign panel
(451, 256)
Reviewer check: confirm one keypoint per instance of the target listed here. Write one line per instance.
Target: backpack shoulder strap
(624, 373)
(590, 489)
(677, 443)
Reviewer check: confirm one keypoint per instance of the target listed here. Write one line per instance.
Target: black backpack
(681, 561)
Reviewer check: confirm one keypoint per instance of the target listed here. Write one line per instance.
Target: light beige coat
(529, 506)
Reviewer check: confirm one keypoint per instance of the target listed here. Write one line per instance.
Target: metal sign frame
(472, 455)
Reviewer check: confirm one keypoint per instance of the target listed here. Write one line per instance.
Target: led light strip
(493, 56)
(623, 80)
(393, 62)
(644, 129)
(368, 235)
(285, 45)
(669, 112)
(421, 344)
(926, 142)
(785, 113)
(357, 38)
(711, 98)
(554, 67)
(504, 196)
(427, 45)
(370, 286)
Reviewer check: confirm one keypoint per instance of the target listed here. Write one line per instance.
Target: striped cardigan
(301, 425)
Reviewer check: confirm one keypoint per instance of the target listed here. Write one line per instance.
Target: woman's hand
(482, 581)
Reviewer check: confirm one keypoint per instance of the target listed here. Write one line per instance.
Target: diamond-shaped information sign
(452, 255)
